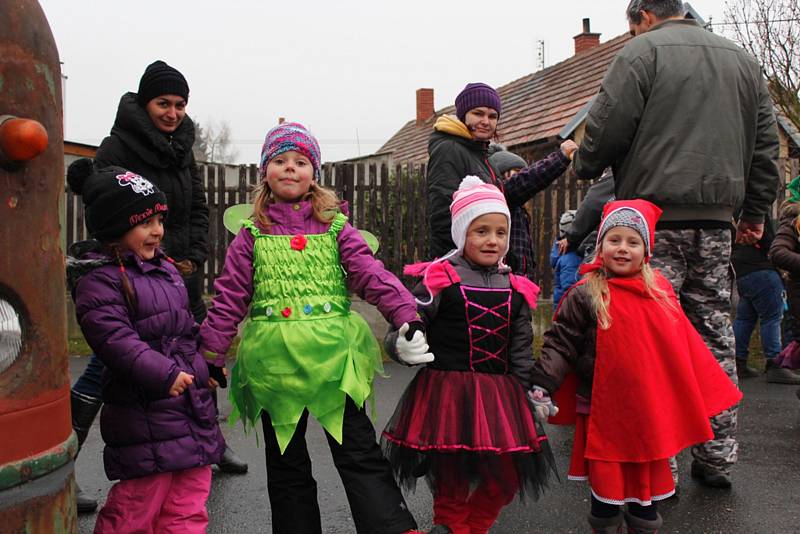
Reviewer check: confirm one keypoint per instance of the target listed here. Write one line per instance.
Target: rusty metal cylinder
(37, 445)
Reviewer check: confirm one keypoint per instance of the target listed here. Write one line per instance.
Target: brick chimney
(587, 39)
(424, 105)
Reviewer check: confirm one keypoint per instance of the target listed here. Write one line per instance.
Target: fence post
(545, 274)
(422, 215)
(360, 170)
(386, 244)
(242, 188)
(221, 231)
(398, 219)
(372, 213)
(561, 197)
(210, 187)
(410, 201)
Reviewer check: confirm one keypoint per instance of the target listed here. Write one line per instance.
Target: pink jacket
(366, 277)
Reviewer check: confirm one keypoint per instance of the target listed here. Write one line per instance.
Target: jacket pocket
(202, 406)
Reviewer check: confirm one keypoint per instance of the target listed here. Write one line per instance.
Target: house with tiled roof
(540, 109)
(536, 107)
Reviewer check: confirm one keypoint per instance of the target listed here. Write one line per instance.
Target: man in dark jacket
(684, 118)
(459, 147)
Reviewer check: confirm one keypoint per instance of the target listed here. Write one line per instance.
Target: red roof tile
(535, 106)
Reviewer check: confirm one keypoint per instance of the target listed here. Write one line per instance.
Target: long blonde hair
(597, 288)
(324, 202)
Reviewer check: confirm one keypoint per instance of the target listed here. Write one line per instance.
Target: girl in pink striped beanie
(475, 199)
(464, 421)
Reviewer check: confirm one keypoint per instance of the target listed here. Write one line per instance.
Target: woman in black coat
(153, 136)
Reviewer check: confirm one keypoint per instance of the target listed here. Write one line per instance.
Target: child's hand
(217, 376)
(183, 381)
(411, 346)
(543, 406)
(569, 147)
(749, 233)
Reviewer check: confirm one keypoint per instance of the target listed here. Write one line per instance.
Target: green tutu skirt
(285, 367)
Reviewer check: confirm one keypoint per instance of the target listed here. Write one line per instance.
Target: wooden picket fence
(390, 202)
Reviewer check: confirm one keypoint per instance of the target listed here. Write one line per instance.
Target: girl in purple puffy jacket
(158, 420)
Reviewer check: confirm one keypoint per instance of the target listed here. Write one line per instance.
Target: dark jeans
(760, 299)
(90, 382)
(375, 500)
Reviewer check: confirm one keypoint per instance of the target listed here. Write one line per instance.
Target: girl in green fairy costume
(304, 351)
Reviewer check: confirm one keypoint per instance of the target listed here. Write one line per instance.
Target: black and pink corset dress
(465, 415)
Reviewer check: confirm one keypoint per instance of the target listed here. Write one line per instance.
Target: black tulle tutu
(461, 426)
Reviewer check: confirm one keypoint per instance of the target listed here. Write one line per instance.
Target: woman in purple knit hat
(459, 147)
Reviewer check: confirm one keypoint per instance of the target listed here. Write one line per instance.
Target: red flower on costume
(286, 312)
(298, 242)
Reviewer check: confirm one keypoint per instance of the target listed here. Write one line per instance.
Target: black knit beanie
(115, 199)
(161, 79)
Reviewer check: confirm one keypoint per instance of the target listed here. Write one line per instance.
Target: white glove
(543, 406)
(414, 351)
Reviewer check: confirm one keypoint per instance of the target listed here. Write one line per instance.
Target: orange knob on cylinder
(21, 139)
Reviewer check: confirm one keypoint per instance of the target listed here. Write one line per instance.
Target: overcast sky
(348, 70)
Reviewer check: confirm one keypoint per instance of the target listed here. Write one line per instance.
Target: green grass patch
(77, 346)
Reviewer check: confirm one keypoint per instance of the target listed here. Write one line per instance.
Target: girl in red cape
(645, 384)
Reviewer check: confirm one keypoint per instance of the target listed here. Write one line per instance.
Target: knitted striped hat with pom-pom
(289, 136)
(474, 198)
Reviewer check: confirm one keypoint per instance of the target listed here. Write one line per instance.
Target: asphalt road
(765, 497)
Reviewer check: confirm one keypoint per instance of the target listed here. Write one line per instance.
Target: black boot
(84, 410)
(709, 476)
(231, 463)
(778, 375)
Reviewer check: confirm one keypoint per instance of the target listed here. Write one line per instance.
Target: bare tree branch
(770, 31)
(214, 143)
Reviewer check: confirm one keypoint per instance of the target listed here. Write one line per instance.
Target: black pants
(602, 509)
(375, 500)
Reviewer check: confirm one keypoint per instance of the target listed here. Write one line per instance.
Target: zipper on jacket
(495, 182)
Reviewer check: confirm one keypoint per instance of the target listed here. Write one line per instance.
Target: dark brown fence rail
(387, 201)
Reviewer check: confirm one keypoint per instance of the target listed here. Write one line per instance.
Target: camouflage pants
(697, 264)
